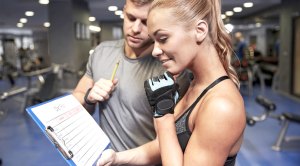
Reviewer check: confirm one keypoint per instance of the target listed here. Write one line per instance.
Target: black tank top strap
(207, 89)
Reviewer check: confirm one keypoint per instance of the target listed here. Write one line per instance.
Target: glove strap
(163, 107)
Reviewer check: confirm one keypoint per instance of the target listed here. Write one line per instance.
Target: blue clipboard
(59, 119)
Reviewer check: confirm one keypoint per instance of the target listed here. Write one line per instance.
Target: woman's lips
(165, 61)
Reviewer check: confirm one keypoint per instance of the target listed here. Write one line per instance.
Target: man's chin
(134, 44)
(140, 44)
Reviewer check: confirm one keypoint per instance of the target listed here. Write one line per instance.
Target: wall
(107, 29)
(41, 46)
(261, 41)
(63, 45)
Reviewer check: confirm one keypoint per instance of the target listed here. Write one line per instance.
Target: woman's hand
(107, 158)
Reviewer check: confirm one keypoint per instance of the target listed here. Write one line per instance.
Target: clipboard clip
(68, 154)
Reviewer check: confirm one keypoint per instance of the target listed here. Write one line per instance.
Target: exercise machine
(7, 94)
(285, 118)
(269, 109)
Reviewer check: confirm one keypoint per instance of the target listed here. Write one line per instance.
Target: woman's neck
(207, 66)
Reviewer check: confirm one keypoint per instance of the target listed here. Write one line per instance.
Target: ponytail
(222, 40)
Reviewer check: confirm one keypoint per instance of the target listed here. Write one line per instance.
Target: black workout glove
(162, 94)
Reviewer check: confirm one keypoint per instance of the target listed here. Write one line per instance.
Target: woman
(210, 118)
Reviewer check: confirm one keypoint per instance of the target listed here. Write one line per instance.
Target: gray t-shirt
(126, 117)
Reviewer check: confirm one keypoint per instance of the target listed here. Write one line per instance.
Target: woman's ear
(201, 30)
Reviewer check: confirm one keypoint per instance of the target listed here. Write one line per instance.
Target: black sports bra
(182, 127)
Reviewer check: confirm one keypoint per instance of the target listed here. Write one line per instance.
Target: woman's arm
(146, 154)
(218, 131)
(171, 153)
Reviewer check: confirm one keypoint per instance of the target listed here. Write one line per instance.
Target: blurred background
(45, 44)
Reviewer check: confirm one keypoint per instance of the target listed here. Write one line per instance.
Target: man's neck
(134, 53)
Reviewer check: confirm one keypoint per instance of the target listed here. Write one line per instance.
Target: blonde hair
(190, 11)
(141, 2)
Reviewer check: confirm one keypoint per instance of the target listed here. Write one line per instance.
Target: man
(125, 114)
(241, 46)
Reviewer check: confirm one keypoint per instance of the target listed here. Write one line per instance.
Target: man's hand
(161, 93)
(101, 90)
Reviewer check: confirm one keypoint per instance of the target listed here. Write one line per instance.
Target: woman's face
(175, 46)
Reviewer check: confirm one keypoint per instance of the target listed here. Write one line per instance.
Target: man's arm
(89, 92)
(80, 91)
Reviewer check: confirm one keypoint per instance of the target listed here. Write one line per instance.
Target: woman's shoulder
(224, 104)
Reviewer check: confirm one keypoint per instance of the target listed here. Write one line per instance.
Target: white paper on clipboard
(71, 129)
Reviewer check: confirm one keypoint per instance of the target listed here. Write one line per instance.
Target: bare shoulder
(226, 102)
(224, 106)
(219, 124)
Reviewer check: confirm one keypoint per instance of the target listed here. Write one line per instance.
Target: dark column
(289, 10)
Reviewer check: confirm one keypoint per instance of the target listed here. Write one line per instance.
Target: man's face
(135, 25)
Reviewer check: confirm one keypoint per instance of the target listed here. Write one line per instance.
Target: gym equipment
(269, 108)
(10, 93)
(37, 73)
(285, 118)
(51, 81)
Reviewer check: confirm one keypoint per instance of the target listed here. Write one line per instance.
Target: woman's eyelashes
(162, 39)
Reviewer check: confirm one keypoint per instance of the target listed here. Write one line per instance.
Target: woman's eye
(162, 39)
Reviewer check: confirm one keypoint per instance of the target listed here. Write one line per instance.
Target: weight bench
(286, 117)
(269, 108)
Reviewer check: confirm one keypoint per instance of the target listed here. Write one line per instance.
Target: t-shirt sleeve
(89, 65)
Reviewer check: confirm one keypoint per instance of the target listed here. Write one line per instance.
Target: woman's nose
(156, 50)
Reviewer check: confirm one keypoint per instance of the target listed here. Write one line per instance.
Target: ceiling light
(258, 25)
(46, 24)
(229, 27)
(122, 16)
(92, 19)
(237, 9)
(44, 2)
(248, 4)
(94, 28)
(29, 13)
(223, 16)
(112, 8)
(229, 13)
(23, 20)
(118, 12)
(20, 25)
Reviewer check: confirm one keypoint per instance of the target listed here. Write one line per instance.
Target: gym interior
(43, 55)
